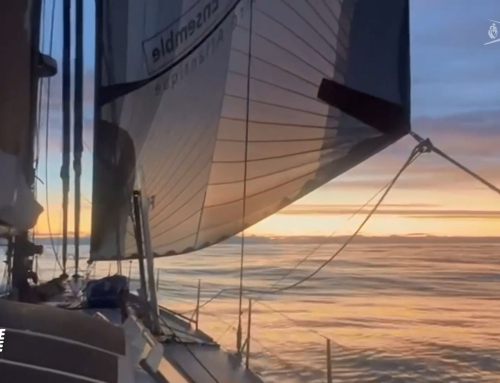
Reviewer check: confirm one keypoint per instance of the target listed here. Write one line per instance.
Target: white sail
(212, 109)
(18, 208)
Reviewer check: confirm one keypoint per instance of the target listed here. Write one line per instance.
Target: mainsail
(18, 207)
(222, 112)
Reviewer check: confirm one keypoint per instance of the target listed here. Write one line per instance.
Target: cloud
(391, 239)
(402, 210)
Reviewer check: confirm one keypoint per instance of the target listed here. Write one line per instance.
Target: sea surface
(415, 312)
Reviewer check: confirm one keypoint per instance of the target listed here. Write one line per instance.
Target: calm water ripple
(397, 313)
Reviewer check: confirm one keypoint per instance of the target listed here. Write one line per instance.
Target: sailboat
(209, 116)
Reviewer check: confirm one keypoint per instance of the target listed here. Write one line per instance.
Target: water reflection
(426, 313)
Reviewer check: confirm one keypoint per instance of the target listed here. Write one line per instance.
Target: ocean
(414, 312)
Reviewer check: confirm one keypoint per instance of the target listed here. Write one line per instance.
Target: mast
(66, 97)
(140, 244)
(153, 300)
(78, 127)
(21, 249)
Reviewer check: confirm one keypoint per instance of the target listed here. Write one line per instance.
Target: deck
(188, 355)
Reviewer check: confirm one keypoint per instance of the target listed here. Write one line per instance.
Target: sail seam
(177, 196)
(280, 124)
(283, 106)
(286, 50)
(183, 150)
(167, 181)
(255, 57)
(279, 141)
(277, 157)
(265, 175)
(314, 29)
(172, 157)
(278, 86)
(327, 24)
(337, 54)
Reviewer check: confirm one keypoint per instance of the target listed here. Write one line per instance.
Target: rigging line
(231, 326)
(415, 154)
(245, 170)
(66, 128)
(284, 106)
(178, 340)
(332, 234)
(315, 249)
(420, 148)
(40, 96)
(39, 113)
(283, 362)
(47, 118)
(86, 146)
(297, 323)
(308, 256)
(456, 163)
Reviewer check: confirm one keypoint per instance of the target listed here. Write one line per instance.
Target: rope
(432, 148)
(419, 149)
(245, 173)
(176, 338)
(253, 338)
(314, 250)
(47, 116)
(295, 322)
(332, 234)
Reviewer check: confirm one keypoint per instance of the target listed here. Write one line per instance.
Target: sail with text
(222, 112)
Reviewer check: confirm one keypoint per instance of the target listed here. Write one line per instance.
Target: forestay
(213, 109)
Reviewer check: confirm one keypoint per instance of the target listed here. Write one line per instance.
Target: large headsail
(18, 208)
(223, 112)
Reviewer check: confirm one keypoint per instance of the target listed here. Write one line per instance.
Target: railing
(245, 352)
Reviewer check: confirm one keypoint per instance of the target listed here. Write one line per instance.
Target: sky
(455, 102)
